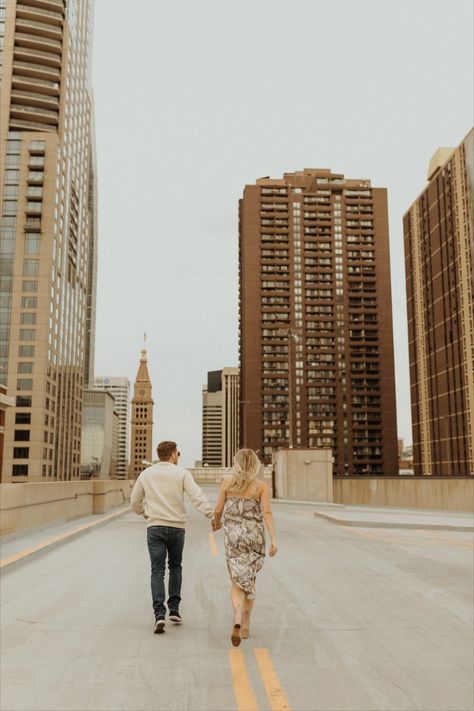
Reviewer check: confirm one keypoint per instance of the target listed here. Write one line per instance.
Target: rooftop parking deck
(347, 618)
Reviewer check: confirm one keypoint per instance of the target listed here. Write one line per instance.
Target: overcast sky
(195, 99)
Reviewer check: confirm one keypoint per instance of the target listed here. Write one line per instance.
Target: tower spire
(142, 418)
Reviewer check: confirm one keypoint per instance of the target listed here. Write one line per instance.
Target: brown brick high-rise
(315, 304)
(439, 246)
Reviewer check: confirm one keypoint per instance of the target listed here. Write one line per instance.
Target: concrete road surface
(346, 619)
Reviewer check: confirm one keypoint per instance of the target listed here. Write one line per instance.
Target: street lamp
(292, 335)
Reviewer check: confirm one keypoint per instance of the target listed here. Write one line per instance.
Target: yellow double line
(244, 694)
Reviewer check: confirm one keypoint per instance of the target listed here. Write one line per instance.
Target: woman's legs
(237, 596)
(248, 607)
(248, 604)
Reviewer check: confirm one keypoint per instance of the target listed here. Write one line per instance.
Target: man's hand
(215, 526)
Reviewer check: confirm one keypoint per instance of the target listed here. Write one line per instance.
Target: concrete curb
(16, 559)
(395, 524)
(328, 504)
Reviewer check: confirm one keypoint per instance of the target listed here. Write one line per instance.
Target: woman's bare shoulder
(226, 482)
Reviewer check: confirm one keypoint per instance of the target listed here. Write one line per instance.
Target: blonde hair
(245, 470)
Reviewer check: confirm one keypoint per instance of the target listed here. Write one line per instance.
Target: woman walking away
(244, 502)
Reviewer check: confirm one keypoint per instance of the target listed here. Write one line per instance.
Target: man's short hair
(166, 449)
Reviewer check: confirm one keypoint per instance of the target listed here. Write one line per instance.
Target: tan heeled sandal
(245, 629)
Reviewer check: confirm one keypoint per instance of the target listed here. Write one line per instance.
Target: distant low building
(405, 462)
(408, 453)
(401, 447)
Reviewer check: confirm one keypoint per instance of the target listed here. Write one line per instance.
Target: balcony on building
(47, 12)
(34, 113)
(27, 54)
(41, 29)
(20, 125)
(30, 98)
(37, 71)
(39, 86)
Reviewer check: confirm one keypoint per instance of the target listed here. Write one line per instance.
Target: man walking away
(158, 495)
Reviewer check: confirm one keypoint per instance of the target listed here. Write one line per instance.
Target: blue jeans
(163, 541)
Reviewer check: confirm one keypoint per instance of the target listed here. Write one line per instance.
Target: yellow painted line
(55, 539)
(213, 544)
(275, 694)
(244, 694)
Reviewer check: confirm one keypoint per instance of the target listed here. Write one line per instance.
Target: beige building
(120, 389)
(142, 420)
(439, 260)
(220, 417)
(115, 445)
(48, 234)
(99, 436)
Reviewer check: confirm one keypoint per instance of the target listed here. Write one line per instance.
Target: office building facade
(316, 342)
(220, 417)
(47, 189)
(120, 389)
(439, 247)
(99, 442)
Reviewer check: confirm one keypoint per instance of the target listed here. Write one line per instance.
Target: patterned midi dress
(244, 541)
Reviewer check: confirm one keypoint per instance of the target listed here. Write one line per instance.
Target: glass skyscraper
(48, 233)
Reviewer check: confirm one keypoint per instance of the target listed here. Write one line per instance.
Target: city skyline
(259, 110)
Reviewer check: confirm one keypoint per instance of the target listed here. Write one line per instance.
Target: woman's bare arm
(219, 508)
(268, 518)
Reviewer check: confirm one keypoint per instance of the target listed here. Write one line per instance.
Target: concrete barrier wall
(449, 493)
(24, 506)
(304, 474)
(209, 475)
(111, 493)
(214, 475)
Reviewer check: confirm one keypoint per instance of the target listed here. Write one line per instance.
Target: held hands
(273, 550)
(215, 526)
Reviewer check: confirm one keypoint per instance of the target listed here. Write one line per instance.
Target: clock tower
(142, 420)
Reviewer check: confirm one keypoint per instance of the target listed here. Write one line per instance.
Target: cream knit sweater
(159, 494)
